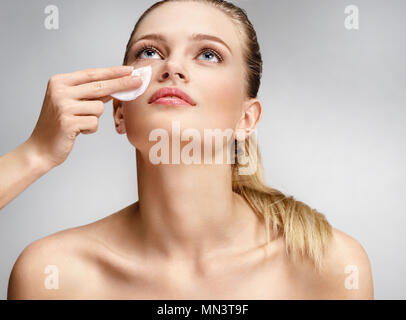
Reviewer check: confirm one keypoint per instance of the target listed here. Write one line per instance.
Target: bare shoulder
(54, 267)
(347, 270)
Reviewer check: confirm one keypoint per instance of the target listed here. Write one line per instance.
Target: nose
(174, 72)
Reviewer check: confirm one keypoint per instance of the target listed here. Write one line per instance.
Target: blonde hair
(305, 230)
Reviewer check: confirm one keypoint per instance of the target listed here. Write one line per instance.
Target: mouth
(171, 96)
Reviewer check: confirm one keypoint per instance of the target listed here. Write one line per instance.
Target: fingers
(78, 98)
(95, 74)
(97, 89)
(86, 124)
(83, 116)
(86, 108)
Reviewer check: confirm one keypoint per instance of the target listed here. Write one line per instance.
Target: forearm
(18, 169)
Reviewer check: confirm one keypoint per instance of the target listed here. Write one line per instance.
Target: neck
(190, 211)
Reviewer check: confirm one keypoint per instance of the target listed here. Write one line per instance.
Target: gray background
(332, 132)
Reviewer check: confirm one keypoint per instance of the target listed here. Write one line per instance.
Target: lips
(173, 96)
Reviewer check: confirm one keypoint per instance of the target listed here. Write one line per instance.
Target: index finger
(96, 74)
(97, 89)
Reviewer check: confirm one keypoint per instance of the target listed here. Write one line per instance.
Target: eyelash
(150, 47)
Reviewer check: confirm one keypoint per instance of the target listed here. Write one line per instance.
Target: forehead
(177, 20)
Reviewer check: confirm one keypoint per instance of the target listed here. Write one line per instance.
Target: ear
(251, 114)
(118, 116)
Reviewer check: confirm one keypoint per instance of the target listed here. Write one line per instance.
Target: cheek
(223, 103)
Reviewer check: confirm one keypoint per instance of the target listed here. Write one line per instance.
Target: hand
(73, 104)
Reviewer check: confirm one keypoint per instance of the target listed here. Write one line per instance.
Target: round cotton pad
(145, 74)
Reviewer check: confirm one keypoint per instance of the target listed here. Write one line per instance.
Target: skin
(189, 236)
(72, 105)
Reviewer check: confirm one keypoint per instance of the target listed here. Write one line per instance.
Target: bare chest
(157, 283)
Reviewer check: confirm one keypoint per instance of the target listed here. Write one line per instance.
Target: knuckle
(53, 82)
(57, 93)
(98, 85)
(110, 73)
(72, 135)
(91, 74)
(56, 81)
(55, 78)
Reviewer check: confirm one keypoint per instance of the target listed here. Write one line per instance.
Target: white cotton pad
(145, 73)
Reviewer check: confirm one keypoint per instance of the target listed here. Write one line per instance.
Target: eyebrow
(193, 37)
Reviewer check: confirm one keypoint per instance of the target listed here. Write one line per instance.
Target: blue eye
(210, 53)
(146, 49)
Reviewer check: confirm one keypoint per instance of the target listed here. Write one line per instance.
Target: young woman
(199, 230)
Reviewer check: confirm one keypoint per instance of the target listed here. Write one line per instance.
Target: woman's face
(210, 72)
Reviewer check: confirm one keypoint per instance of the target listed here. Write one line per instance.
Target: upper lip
(171, 91)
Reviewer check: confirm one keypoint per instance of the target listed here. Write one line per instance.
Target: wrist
(34, 159)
